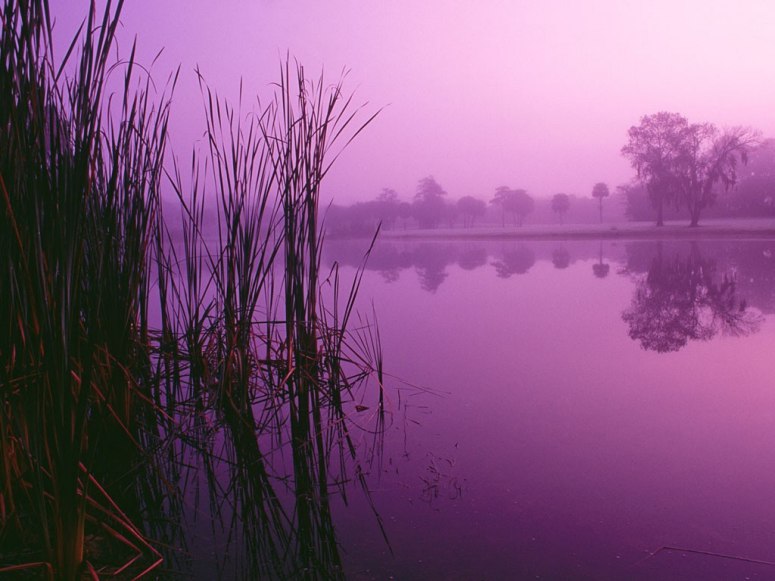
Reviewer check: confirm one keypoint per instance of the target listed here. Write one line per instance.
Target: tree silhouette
(451, 213)
(515, 202)
(560, 205)
(756, 184)
(405, 211)
(654, 150)
(683, 299)
(470, 208)
(600, 191)
(684, 163)
(387, 207)
(429, 203)
(523, 205)
(709, 158)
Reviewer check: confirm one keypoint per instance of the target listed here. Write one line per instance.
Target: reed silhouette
(153, 345)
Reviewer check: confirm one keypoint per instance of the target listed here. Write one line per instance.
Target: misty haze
(406, 290)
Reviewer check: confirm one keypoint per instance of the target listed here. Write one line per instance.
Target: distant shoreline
(751, 229)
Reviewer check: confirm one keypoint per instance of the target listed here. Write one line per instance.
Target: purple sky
(532, 94)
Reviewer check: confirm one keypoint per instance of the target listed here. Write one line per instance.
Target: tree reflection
(431, 265)
(390, 275)
(561, 258)
(514, 260)
(601, 269)
(433, 260)
(683, 299)
(472, 258)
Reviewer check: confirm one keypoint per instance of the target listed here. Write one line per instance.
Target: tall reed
(260, 350)
(79, 189)
(138, 341)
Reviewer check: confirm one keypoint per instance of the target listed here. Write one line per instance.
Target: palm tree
(600, 191)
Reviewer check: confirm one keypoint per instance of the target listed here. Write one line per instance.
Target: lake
(558, 410)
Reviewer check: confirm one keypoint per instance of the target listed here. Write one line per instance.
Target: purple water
(551, 444)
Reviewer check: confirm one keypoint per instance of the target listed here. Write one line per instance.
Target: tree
(470, 208)
(404, 212)
(387, 207)
(388, 195)
(522, 206)
(501, 198)
(654, 150)
(684, 163)
(515, 202)
(600, 191)
(560, 205)
(637, 204)
(636, 201)
(450, 213)
(600, 269)
(429, 203)
(754, 194)
(709, 158)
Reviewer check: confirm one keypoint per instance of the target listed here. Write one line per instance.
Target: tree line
(432, 208)
(682, 169)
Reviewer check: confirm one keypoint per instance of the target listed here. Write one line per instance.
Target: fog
(484, 359)
(534, 95)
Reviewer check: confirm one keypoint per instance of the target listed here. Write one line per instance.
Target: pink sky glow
(537, 95)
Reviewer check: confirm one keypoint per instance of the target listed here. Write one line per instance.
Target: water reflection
(431, 259)
(600, 269)
(540, 361)
(561, 258)
(753, 261)
(261, 482)
(472, 257)
(514, 260)
(685, 298)
(431, 267)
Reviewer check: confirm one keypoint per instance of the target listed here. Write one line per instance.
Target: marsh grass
(263, 354)
(79, 187)
(144, 358)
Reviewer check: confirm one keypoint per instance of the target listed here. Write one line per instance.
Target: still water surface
(575, 408)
